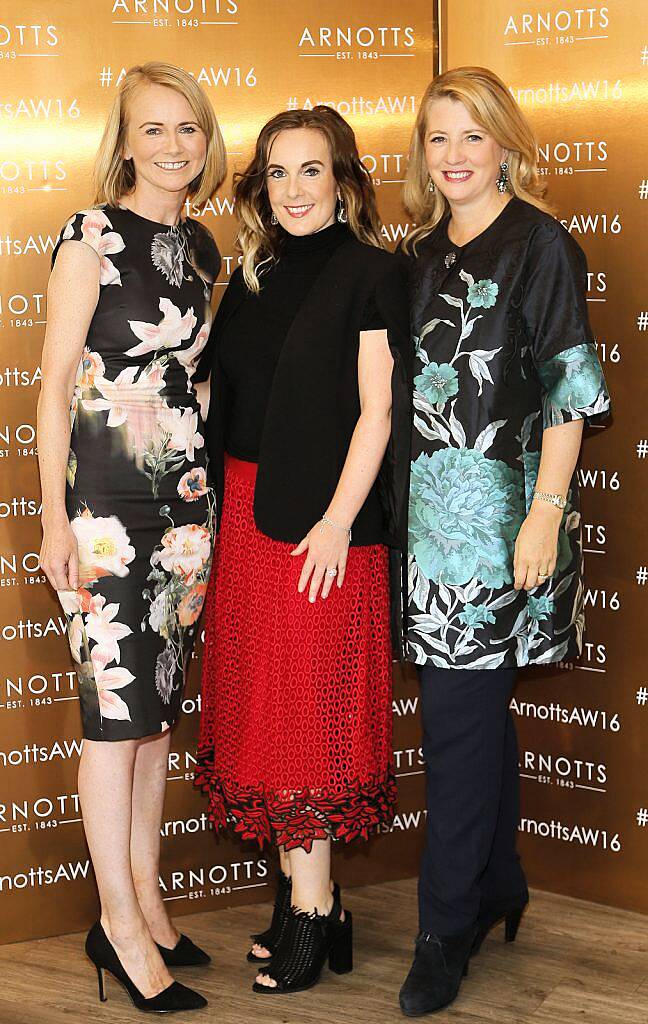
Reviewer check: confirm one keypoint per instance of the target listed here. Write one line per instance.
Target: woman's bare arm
(72, 295)
(203, 396)
(328, 545)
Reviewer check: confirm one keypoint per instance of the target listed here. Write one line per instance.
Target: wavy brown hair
(114, 177)
(258, 238)
(494, 109)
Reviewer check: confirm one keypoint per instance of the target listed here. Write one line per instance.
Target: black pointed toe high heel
(185, 953)
(491, 913)
(175, 998)
(271, 937)
(308, 941)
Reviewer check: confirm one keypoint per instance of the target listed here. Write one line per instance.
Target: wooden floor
(572, 962)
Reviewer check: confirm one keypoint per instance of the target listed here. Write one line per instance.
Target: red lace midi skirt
(295, 734)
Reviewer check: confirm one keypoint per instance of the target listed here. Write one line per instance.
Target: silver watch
(554, 499)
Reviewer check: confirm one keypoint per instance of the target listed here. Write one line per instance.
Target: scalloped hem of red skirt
(295, 822)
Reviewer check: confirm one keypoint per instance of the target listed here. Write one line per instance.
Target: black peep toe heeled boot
(492, 912)
(435, 975)
(271, 937)
(185, 953)
(307, 942)
(176, 998)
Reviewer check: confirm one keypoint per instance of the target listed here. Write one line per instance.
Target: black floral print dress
(504, 350)
(137, 493)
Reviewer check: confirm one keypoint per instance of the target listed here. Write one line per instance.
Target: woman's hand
(327, 544)
(326, 548)
(59, 554)
(536, 547)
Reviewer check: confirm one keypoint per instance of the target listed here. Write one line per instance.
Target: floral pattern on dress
(171, 249)
(93, 224)
(157, 436)
(171, 331)
(104, 550)
(167, 256)
(486, 384)
(573, 386)
(193, 485)
(465, 514)
(104, 547)
(180, 566)
(137, 449)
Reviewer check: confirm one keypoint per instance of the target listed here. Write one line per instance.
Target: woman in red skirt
(308, 441)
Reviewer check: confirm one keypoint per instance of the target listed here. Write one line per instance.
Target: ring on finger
(332, 573)
(543, 575)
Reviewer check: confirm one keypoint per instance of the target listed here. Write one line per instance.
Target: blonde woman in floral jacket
(506, 372)
(128, 543)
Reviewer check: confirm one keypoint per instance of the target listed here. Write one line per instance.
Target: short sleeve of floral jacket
(562, 343)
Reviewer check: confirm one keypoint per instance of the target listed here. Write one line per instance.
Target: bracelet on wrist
(557, 500)
(338, 526)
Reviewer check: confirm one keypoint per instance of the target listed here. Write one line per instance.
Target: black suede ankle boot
(440, 962)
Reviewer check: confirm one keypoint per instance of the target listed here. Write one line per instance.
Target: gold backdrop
(578, 73)
(60, 63)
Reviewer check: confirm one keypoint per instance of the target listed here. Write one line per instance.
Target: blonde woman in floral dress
(505, 374)
(127, 543)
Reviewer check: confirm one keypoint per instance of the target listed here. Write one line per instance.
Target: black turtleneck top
(252, 339)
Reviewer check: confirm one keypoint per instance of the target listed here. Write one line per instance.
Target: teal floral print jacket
(503, 351)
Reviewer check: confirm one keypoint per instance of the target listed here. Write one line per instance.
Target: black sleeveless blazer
(314, 402)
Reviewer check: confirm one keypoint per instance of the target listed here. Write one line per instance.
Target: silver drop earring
(431, 185)
(273, 220)
(342, 214)
(503, 180)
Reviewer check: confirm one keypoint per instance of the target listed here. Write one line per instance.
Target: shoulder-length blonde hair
(258, 237)
(114, 177)
(491, 104)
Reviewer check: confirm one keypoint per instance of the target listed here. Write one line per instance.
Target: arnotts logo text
(365, 36)
(584, 836)
(592, 718)
(39, 876)
(32, 753)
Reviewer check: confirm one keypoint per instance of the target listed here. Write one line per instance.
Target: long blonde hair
(114, 177)
(491, 104)
(258, 237)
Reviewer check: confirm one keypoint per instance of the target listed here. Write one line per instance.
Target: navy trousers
(473, 803)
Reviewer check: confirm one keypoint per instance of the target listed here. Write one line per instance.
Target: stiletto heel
(173, 999)
(102, 992)
(340, 959)
(512, 923)
(491, 913)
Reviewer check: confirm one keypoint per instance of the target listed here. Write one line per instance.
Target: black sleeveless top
(284, 388)
(251, 342)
